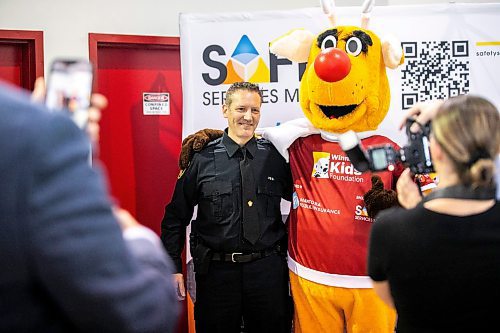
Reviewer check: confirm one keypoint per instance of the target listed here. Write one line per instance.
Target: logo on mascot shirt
(321, 166)
(334, 166)
(361, 213)
(295, 201)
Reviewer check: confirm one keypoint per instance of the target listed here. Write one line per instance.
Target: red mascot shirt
(328, 224)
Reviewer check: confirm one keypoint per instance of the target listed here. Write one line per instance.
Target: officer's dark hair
(241, 86)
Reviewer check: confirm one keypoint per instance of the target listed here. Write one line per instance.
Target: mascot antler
(366, 10)
(328, 7)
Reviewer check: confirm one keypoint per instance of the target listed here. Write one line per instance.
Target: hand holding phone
(69, 88)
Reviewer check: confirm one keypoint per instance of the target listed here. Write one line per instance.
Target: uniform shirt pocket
(271, 193)
(218, 196)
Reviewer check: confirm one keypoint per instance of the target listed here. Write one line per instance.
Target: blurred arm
(383, 291)
(79, 255)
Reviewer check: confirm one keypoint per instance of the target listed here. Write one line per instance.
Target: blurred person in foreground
(67, 265)
(437, 259)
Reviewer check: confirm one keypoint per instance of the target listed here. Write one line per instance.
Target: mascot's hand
(378, 198)
(196, 142)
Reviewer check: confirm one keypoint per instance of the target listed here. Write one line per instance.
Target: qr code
(434, 70)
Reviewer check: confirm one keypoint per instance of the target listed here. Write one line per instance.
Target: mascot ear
(295, 45)
(392, 52)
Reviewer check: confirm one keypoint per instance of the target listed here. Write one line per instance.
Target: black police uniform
(234, 277)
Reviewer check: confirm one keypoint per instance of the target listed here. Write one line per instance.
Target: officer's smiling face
(243, 115)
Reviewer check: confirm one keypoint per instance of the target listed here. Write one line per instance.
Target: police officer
(238, 238)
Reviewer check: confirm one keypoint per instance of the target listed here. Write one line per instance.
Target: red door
(21, 57)
(139, 151)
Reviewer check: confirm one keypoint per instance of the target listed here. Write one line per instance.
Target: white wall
(66, 23)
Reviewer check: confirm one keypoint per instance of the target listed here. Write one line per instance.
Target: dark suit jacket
(64, 265)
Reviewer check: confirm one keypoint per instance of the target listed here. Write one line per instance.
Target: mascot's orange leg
(320, 308)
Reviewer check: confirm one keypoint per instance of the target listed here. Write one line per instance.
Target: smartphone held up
(69, 88)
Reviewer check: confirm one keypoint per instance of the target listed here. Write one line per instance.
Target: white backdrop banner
(450, 49)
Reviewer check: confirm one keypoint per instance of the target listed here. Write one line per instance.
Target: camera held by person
(415, 155)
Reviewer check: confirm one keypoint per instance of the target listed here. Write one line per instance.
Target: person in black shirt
(238, 239)
(437, 259)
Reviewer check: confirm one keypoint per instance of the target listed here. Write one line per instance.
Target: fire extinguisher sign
(155, 104)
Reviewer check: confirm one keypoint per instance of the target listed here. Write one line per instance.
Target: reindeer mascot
(344, 87)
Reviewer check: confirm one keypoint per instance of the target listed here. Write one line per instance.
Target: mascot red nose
(332, 65)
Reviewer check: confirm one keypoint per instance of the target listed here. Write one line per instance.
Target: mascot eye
(328, 42)
(354, 46)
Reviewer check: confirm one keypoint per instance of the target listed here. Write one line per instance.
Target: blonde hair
(468, 130)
